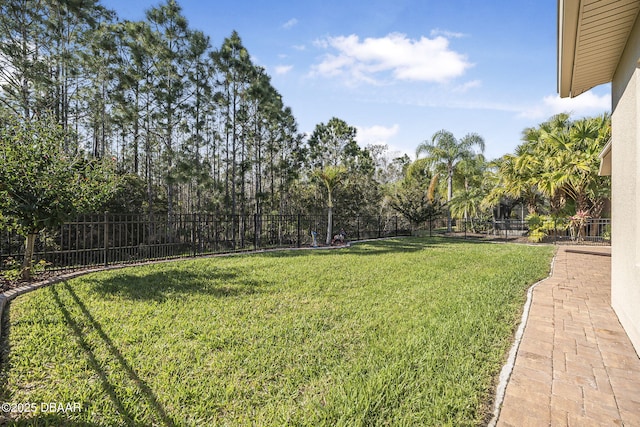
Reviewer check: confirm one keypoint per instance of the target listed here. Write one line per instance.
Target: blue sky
(400, 70)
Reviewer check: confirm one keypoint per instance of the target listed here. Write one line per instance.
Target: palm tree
(527, 174)
(471, 179)
(331, 176)
(467, 203)
(514, 179)
(574, 168)
(444, 151)
(558, 160)
(566, 155)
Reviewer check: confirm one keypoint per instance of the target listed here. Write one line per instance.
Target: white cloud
(283, 69)
(290, 23)
(375, 134)
(370, 60)
(300, 47)
(585, 104)
(588, 101)
(321, 43)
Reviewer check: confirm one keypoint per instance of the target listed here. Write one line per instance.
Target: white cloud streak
(283, 69)
(585, 104)
(290, 24)
(448, 34)
(465, 87)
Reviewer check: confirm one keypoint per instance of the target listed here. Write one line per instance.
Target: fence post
(299, 230)
(194, 224)
(358, 227)
(234, 221)
(379, 226)
(106, 238)
(396, 225)
(256, 239)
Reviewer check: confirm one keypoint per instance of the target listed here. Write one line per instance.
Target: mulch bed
(6, 285)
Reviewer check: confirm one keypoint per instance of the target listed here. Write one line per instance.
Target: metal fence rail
(104, 239)
(595, 231)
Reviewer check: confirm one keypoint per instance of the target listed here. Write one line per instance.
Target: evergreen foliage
(42, 183)
(195, 127)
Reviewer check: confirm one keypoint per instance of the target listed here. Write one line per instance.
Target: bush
(540, 226)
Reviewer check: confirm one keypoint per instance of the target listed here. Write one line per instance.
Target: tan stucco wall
(625, 236)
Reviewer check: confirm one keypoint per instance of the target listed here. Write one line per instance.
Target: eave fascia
(568, 17)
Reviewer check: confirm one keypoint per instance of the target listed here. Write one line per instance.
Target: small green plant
(541, 226)
(12, 270)
(577, 224)
(39, 267)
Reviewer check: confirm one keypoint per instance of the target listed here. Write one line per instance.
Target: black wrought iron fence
(104, 239)
(594, 231)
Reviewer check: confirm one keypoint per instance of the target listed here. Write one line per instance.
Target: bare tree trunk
(329, 224)
(28, 255)
(449, 197)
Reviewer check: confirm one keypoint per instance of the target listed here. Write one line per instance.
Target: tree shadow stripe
(93, 361)
(147, 392)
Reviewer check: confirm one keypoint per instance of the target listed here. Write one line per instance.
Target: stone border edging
(7, 296)
(507, 369)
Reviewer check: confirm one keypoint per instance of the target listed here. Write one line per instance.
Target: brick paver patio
(575, 366)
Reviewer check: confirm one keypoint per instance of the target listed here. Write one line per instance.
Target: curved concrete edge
(7, 296)
(3, 302)
(507, 369)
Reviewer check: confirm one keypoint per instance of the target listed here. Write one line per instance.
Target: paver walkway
(575, 366)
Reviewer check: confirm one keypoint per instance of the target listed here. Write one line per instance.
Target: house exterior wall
(625, 161)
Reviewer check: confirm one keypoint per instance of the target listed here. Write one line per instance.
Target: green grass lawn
(396, 332)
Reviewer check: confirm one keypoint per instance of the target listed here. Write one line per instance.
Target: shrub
(540, 226)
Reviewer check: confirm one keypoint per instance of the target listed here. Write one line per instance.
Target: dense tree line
(552, 174)
(192, 127)
(182, 126)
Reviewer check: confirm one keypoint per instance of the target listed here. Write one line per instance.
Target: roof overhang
(605, 160)
(592, 35)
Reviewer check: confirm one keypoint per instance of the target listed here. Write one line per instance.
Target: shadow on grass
(175, 281)
(91, 350)
(5, 349)
(49, 419)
